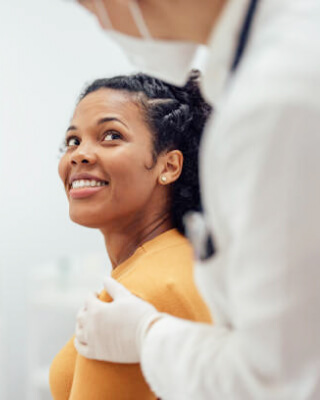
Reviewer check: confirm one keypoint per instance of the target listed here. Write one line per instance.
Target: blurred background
(49, 50)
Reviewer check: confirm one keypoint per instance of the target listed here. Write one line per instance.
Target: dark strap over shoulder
(244, 34)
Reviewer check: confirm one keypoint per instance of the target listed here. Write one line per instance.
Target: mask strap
(103, 13)
(139, 20)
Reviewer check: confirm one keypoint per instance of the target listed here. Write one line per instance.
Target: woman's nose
(83, 155)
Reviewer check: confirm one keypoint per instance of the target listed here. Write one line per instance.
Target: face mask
(170, 61)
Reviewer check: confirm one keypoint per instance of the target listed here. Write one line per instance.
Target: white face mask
(170, 61)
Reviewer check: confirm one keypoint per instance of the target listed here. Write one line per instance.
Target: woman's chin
(89, 221)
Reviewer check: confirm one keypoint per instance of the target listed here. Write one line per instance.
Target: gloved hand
(114, 331)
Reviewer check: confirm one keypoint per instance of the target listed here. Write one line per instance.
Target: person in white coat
(260, 173)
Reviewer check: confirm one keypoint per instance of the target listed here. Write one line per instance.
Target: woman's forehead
(108, 101)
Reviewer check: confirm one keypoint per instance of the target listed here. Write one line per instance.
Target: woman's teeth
(87, 183)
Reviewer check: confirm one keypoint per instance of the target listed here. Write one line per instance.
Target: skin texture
(135, 205)
(166, 19)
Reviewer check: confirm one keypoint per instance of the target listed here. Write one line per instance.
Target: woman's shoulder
(163, 275)
(165, 255)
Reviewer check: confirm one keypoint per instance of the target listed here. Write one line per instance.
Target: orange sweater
(160, 271)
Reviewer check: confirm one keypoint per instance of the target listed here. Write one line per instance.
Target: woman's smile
(85, 185)
(85, 188)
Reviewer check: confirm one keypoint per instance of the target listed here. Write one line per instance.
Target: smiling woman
(130, 169)
(109, 142)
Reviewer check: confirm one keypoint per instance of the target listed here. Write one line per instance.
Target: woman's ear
(171, 167)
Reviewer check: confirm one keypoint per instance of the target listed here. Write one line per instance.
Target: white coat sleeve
(267, 194)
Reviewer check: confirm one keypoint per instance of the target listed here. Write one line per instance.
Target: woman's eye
(112, 135)
(72, 141)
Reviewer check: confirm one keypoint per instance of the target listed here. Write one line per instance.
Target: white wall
(48, 51)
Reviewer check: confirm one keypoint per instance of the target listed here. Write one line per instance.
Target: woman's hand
(114, 331)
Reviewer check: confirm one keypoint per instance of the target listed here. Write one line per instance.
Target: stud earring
(163, 179)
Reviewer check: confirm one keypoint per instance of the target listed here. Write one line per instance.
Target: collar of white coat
(221, 47)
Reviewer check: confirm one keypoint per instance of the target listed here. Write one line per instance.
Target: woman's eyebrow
(101, 121)
(71, 128)
(108, 119)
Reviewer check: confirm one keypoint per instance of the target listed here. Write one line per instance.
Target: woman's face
(106, 166)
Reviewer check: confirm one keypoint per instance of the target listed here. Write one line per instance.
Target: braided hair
(176, 117)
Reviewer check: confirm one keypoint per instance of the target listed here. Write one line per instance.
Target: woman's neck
(122, 243)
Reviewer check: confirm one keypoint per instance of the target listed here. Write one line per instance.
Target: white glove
(114, 331)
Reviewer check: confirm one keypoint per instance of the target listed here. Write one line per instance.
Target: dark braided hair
(176, 117)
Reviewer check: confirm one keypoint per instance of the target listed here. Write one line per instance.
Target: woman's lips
(81, 193)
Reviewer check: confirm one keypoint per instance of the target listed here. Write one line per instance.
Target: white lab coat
(261, 189)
